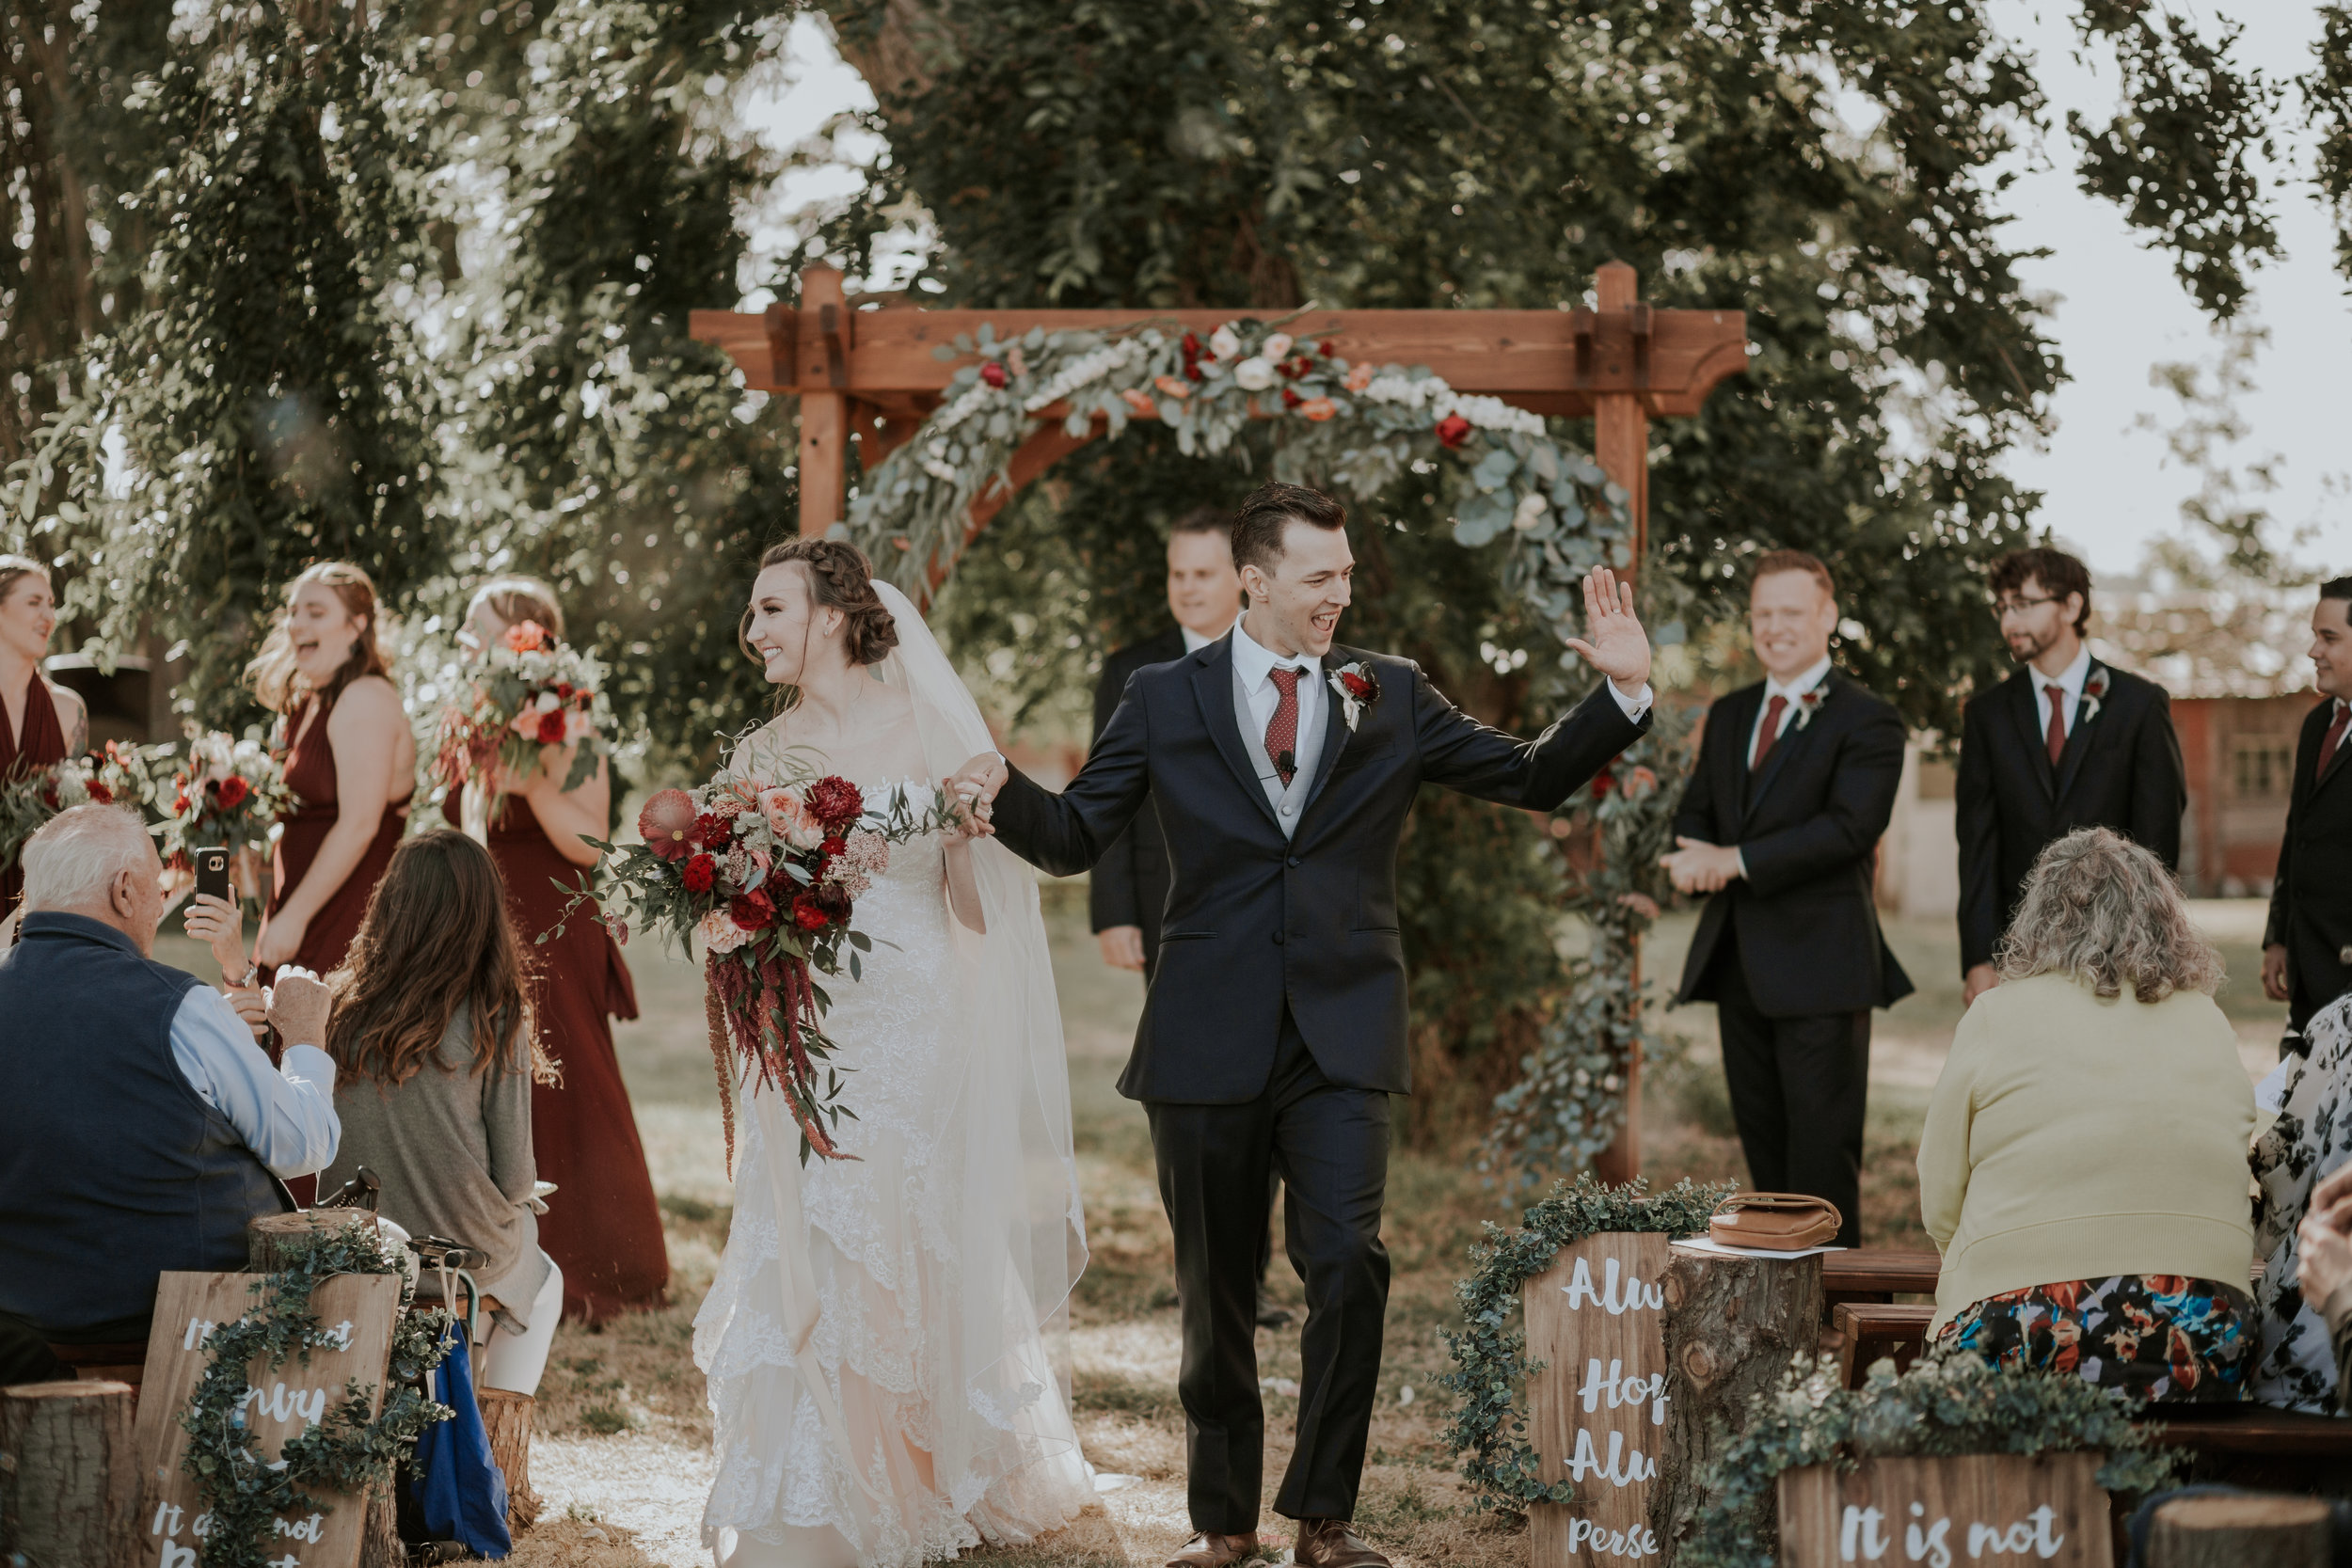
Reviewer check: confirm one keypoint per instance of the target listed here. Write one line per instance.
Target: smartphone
(212, 873)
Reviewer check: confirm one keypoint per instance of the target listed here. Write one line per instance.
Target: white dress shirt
(1255, 665)
(285, 1115)
(1813, 675)
(2071, 682)
(1194, 641)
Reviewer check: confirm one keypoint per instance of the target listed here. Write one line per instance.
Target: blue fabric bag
(461, 1492)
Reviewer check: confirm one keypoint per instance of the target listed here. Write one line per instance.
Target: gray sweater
(453, 1150)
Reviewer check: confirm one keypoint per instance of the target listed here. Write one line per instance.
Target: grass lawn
(623, 1455)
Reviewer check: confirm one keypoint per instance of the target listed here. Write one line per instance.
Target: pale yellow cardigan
(2075, 1138)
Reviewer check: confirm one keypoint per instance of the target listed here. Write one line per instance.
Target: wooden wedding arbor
(871, 374)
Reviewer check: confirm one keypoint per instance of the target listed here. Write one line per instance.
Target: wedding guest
(1780, 823)
(2066, 742)
(146, 1127)
(2083, 1165)
(434, 1034)
(2324, 1277)
(350, 762)
(46, 723)
(2307, 1147)
(602, 1226)
(2309, 934)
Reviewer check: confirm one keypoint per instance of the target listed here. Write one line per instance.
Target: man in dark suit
(1129, 885)
(2307, 949)
(1795, 781)
(1282, 768)
(2066, 742)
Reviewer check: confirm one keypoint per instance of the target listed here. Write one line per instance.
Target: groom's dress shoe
(1207, 1550)
(1332, 1543)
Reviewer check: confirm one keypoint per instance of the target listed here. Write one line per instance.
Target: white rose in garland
(1253, 374)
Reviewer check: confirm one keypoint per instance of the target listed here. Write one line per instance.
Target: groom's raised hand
(973, 789)
(1614, 641)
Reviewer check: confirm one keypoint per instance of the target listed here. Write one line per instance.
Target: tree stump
(1733, 1327)
(379, 1539)
(2247, 1531)
(507, 1418)
(264, 1238)
(69, 1481)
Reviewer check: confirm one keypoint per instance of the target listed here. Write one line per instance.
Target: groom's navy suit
(1275, 1027)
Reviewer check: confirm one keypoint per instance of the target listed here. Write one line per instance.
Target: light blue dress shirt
(286, 1114)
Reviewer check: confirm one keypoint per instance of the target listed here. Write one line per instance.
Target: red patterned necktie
(1281, 731)
(2057, 721)
(2334, 737)
(1770, 733)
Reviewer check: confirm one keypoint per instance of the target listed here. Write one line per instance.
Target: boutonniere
(1357, 688)
(2094, 691)
(1809, 703)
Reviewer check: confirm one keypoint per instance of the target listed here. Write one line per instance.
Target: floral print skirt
(2162, 1339)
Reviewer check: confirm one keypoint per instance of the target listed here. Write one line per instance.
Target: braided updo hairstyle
(839, 577)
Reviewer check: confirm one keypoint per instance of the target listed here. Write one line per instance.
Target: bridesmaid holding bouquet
(602, 1226)
(349, 760)
(45, 724)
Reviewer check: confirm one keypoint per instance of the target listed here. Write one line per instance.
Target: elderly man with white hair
(146, 1126)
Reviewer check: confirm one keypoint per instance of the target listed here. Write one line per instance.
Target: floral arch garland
(1358, 428)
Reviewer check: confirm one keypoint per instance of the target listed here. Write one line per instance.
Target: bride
(880, 1339)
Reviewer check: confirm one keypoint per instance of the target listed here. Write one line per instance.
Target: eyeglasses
(2003, 608)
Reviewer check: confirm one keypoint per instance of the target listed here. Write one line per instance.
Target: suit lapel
(2026, 706)
(1336, 734)
(2079, 739)
(2335, 764)
(1791, 738)
(1213, 688)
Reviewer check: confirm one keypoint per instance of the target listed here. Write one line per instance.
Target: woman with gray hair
(2083, 1168)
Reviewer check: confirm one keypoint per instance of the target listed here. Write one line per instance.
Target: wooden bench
(1870, 1330)
(1867, 1273)
(2257, 1446)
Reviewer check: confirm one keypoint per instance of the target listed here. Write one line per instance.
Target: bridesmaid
(46, 723)
(602, 1227)
(350, 762)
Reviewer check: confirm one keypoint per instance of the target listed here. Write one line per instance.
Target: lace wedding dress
(880, 1341)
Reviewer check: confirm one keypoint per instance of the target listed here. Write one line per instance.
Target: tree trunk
(507, 1418)
(1733, 1325)
(2252, 1530)
(379, 1541)
(69, 1481)
(264, 1238)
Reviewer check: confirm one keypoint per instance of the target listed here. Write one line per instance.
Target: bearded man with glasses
(2066, 742)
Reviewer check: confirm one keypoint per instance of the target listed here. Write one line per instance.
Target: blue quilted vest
(112, 1169)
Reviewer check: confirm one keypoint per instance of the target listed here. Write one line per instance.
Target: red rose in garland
(1453, 430)
(699, 873)
(666, 822)
(993, 374)
(836, 802)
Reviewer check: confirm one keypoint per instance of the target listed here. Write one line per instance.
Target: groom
(1274, 1032)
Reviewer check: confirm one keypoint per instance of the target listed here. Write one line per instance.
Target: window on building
(2262, 768)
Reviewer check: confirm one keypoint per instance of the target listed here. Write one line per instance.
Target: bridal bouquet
(529, 693)
(766, 868)
(28, 802)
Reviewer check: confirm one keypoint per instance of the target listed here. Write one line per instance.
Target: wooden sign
(356, 1311)
(1993, 1510)
(1596, 1320)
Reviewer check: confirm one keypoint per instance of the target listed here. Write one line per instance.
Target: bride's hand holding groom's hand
(1614, 641)
(972, 789)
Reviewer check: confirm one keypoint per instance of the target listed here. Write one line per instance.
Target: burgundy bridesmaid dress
(40, 745)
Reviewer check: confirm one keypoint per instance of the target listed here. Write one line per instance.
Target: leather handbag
(1774, 1222)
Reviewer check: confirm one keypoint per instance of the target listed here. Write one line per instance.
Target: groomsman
(1796, 779)
(2307, 950)
(1130, 884)
(2066, 742)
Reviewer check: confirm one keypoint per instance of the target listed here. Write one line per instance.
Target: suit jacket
(2121, 769)
(1807, 824)
(2310, 900)
(1129, 885)
(1256, 921)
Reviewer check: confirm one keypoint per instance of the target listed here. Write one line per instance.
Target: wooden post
(507, 1417)
(2251, 1531)
(1621, 447)
(823, 372)
(68, 1481)
(264, 1237)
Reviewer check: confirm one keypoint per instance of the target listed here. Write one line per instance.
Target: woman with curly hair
(2083, 1166)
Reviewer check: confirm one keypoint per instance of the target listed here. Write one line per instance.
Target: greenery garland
(345, 1452)
(1490, 1365)
(1362, 428)
(1963, 1405)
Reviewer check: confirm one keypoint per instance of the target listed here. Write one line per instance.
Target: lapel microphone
(1286, 762)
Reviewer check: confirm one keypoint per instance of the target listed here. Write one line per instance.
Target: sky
(2114, 309)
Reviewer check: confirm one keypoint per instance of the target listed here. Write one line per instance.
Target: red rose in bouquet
(699, 873)
(835, 801)
(231, 791)
(754, 911)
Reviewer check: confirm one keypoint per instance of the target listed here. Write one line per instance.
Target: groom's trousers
(1331, 1146)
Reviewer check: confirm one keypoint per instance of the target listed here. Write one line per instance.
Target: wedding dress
(881, 1342)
